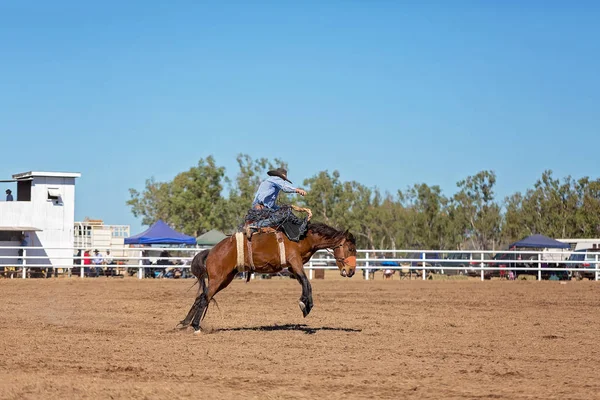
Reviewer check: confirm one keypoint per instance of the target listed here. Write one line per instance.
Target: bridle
(345, 261)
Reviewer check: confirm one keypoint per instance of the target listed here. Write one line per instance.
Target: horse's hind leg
(201, 306)
(192, 312)
(214, 287)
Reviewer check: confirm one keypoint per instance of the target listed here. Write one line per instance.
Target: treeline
(421, 217)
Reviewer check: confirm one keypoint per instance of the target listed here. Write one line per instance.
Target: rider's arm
(287, 188)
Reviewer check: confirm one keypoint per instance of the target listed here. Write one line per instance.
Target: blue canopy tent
(160, 233)
(540, 242)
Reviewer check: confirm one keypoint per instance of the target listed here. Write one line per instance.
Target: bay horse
(218, 265)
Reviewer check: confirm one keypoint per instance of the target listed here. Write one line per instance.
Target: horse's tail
(199, 270)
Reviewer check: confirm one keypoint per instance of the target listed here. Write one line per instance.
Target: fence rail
(367, 261)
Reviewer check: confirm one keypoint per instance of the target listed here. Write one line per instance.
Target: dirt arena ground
(115, 338)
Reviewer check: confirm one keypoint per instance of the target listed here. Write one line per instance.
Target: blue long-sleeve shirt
(269, 190)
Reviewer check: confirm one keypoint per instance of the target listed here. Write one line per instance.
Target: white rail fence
(480, 263)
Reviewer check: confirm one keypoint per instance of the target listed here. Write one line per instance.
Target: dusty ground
(114, 338)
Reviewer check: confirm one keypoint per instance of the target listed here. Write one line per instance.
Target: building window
(24, 190)
(53, 194)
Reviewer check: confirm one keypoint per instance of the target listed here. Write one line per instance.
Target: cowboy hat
(280, 172)
(8, 191)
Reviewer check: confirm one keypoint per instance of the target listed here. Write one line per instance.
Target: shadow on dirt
(288, 327)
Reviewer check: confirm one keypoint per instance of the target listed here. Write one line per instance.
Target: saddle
(263, 221)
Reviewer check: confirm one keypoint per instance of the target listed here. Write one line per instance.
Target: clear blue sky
(390, 93)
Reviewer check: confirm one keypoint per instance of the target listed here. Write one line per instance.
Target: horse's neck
(319, 242)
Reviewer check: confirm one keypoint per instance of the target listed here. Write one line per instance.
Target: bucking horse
(266, 251)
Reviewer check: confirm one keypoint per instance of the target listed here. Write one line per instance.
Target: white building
(93, 234)
(43, 210)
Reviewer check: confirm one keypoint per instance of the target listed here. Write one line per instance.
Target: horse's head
(345, 255)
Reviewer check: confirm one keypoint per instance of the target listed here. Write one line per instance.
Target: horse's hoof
(181, 325)
(305, 311)
(197, 331)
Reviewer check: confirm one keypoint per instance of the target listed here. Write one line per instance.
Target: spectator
(185, 272)
(388, 273)
(108, 260)
(163, 260)
(23, 243)
(87, 261)
(172, 272)
(97, 261)
(97, 258)
(148, 272)
(76, 261)
(9, 196)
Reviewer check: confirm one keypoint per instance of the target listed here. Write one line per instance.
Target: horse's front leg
(306, 301)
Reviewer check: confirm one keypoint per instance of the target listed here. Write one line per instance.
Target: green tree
(516, 224)
(362, 214)
(345, 205)
(152, 204)
(191, 203)
(429, 218)
(419, 217)
(550, 207)
(587, 216)
(325, 197)
(477, 211)
(392, 217)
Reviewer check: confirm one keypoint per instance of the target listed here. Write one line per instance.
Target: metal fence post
(81, 265)
(597, 271)
(24, 272)
(539, 267)
(482, 271)
(141, 266)
(367, 267)
(310, 271)
(424, 273)
(470, 260)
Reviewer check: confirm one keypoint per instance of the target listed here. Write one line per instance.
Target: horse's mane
(328, 231)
